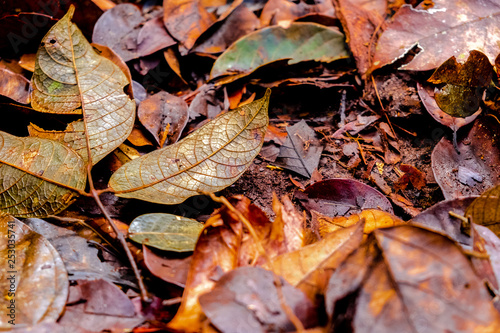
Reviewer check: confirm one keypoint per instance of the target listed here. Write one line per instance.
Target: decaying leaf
(299, 42)
(247, 300)
(407, 279)
(15, 86)
(33, 278)
(209, 159)
(465, 83)
(449, 28)
(165, 231)
(411, 176)
(71, 78)
(472, 169)
(283, 12)
(486, 209)
(40, 177)
(289, 224)
(169, 267)
(301, 151)
(487, 243)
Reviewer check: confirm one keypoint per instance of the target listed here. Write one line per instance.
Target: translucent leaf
(71, 78)
(38, 177)
(165, 231)
(209, 159)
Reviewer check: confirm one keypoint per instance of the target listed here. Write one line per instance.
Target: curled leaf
(71, 78)
(40, 177)
(209, 159)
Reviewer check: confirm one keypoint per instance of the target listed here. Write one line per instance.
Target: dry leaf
(486, 209)
(209, 159)
(15, 86)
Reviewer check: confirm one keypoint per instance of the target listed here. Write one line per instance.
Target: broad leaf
(165, 231)
(71, 78)
(209, 159)
(485, 210)
(299, 42)
(40, 177)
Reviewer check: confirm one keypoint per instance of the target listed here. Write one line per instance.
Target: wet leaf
(438, 218)
(40, 177)
(33, 278)
(165, 116)
(465, 83)
(71, 78)
(15, 86)
(476, 165)
(299, 42)
(396, 282)
(209, 159)
(301, 151)
(165, 231)
(246, 299)
(486, 242)
(485, 209)
(310, 267)
(172, 268)
(449, 28)
(342, 197)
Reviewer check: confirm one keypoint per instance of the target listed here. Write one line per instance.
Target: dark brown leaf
(170, 267)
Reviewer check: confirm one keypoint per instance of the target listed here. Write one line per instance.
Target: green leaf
(209, 159)
(299, 42)
(39, 177)
(165, 231)
(36, 275)
(71, 78)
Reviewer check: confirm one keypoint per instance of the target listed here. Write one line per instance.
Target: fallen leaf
(342, 197)
(474, 167)
(484, 209)
(186, 20)
(486, 242)
(396, 282)
(447, 29)
(33, 277)
(279, 12)
(164, 116)
(304, 42)
(354, 127)
(27, 61)
(172, 59)
(246, 299)
(438, 218)
(290, 223)
(411, 175)
(15, 86)
(104, 298)
(301, 151)
(361, 21)
(205, 103)
(83, 83)
(172, 268)
(40, 177)
(52, 328)
(209, 159)
(464, 84)
(165, 231)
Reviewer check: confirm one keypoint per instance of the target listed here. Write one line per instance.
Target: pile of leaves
(356, 143)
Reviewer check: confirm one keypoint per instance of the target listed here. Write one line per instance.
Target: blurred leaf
(40, 177)
(472, 169)
(170, 267)
(282, 12)
(165, 231)
(486, 242)
(465, 83)
(289, 224)
(34, 278)
(209, 159)
(407, 279)
(247, 300)
(15, 86)
(486, 209)
(71, 78)
(299, 42)
(449, 28)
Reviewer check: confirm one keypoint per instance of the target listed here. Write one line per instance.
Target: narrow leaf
(71, 78)
(209, 159)
(165, 231)
(39, 177)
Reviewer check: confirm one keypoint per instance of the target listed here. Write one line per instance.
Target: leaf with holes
(39, 177)
(208, 160)
(71, 78)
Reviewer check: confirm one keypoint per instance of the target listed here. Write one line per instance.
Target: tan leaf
(485, 210)
(71, 78)
(40, 177)
(209, 159)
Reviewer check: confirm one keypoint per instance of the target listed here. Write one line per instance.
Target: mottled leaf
(33, 278)
(39, 177)
(71, 78)
(299, 42)
(448, 28)
(209, 159)
(165, 231)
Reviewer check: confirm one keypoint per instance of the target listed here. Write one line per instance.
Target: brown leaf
(485, 209)
(411, 175)
(407, 279)
(15, 86)
(165, 116)
(282, 12)
(247, 300)
(474, 167)
(487, 243)
(288, 223)
(172, 268)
